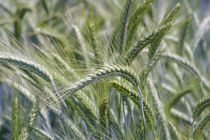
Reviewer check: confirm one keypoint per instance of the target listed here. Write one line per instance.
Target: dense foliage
(104, 69)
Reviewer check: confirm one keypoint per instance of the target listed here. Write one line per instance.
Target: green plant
(110, 69)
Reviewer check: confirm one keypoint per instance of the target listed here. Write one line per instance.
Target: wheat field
(105, 70)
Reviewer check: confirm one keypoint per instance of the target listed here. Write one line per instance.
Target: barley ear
(167, 21)
(93, 42)
(106, 72)
(187, 64)
(152, 62)
(39, 131)
(159, 108)
(15, 120)
(200, 106)
(173, 131)
(134, 96)
(31, 67)
(27, 65)
(201, 125)
(177, 97)
(141, 44)
(82, 44)
(170, 17)
(88, 106)
(135, 20)
(103, 113)
(25, 134)
(181, 116)
(122, 33)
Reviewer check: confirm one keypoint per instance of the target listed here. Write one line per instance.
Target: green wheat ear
(118, 39)
(103, 113)
(43, 133)
(32, 67)
(187, 64)
(173, 131)
(81, 41)
(25, 134)
(152, 62)
(154, 38)
(108, 71)
(181, 116)
(168, 20)
(177, 97)
(94, 42)
(130, 93)
(159, 108)
(201, 125)
(135, 20)
(87, 105)
(15, 118)
(141, 44)
(200, 106)
(20, 88)
(122, 33)
(170, 17)
(27, 65)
